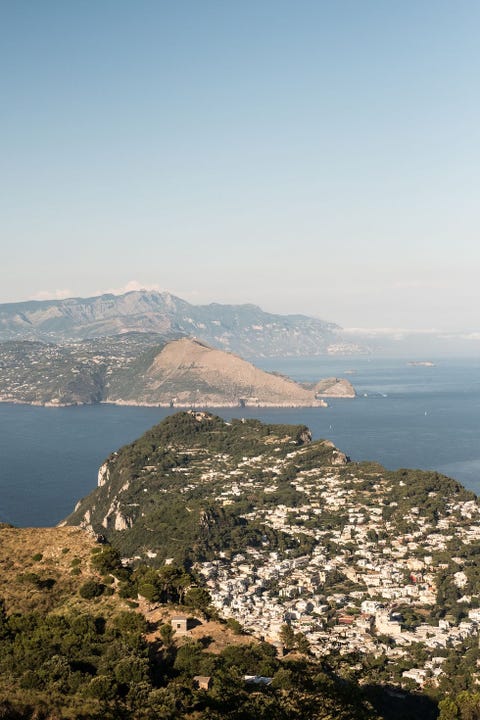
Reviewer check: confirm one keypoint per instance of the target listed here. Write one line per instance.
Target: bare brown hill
(189, 373)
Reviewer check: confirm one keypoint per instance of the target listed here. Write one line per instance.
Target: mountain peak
(244, 329)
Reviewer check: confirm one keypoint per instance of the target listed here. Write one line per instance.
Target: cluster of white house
(382, 569)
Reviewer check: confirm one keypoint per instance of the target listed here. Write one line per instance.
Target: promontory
(188, 373)
(152, 370)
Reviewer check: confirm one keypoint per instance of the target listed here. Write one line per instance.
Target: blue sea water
(403, 416)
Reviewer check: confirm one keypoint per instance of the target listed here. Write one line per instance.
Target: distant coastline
(188, 406)
(131, 403)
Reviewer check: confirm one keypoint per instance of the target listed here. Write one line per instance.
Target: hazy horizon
(381, 341)
(306, 157)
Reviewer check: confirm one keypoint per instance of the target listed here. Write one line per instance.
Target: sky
(307, 156)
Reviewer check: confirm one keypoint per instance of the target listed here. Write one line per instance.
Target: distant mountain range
(243, 329)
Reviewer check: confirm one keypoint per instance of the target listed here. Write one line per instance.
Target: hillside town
(71, 373)
(298, 545)
(348, 594)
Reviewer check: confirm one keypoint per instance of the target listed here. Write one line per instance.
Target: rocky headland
(189, 373)
(149, 370)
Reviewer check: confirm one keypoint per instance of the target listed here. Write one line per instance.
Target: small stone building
(180, 624)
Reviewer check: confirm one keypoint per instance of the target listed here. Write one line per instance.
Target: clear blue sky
(316, 157)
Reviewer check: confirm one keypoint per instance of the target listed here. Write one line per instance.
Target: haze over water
(403, 417)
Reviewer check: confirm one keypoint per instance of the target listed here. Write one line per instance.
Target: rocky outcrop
(103, 474)
(305, 437)
(335, 388)
(337, 456)
(115, 519)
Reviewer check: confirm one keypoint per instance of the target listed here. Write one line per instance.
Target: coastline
(180, 406)
(189, 406)
(73, 442)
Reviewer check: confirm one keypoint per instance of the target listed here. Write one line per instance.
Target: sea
(404, 415)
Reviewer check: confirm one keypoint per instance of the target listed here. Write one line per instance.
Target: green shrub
(235, 626)
(130, 622)
(148, 591)
(91, 589)
(127, 590)
(107, 560)
(102, 687)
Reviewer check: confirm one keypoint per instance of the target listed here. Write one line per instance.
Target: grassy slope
(66, 554)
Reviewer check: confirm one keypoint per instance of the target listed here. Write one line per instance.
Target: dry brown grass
(59, 547)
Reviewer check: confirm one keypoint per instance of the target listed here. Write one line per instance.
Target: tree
(4, 629)
(301, 643)
(197, 598)
(287, 637)
(166, 633)
(132, 670)
(91, 589)
(468, 705)
(235, 626)
(189, 658)
(284, 679)
(102, 687)
(107, 561)
(130, 622)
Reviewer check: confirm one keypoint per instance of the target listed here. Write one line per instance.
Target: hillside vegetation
(73, 646)
(161, 496)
